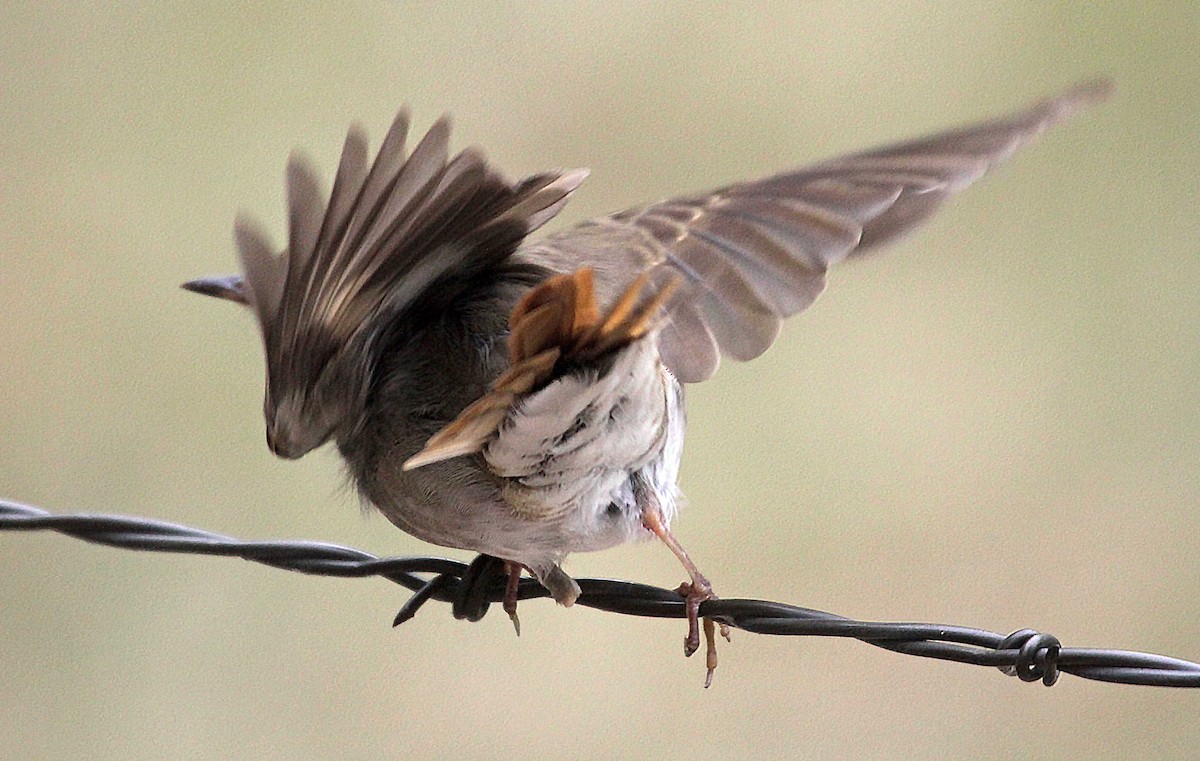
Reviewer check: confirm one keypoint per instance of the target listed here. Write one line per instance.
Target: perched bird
(524, 399)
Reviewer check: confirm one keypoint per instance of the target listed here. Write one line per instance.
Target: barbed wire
(470, 589)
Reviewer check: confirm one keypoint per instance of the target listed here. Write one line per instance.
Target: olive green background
(994, 424)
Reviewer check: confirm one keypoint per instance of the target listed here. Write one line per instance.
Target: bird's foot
(694, 592)
(511, 586)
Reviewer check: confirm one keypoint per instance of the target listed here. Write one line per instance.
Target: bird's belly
(556, 479)
(568, 451)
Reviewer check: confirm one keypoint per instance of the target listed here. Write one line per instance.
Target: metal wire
(470, 589)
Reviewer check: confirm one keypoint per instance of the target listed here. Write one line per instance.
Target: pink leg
(510, 592)
(694, 592)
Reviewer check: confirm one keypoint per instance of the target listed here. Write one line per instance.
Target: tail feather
(557, 322)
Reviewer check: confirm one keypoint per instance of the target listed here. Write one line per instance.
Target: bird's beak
(228, 287)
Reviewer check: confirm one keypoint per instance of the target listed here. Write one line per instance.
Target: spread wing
(401, 231)
(754, 253)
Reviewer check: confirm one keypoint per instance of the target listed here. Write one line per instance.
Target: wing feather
(754, 253)
(403, 231)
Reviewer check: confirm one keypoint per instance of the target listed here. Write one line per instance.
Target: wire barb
(1027, 654)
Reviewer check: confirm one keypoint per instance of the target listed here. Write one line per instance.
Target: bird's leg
(513, 581)
(694, 592)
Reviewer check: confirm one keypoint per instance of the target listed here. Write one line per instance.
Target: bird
(523, 397)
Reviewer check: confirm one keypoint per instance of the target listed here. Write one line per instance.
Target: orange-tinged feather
(558, 319)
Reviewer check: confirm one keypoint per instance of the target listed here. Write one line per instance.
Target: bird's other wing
(404, 232)
(754, 253)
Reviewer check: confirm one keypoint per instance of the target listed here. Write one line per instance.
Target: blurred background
(994, 424)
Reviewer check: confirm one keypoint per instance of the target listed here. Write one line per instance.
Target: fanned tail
(557, 322)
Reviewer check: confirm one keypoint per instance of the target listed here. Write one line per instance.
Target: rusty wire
(470, 589)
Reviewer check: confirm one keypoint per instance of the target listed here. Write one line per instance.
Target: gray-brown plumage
(387, 315)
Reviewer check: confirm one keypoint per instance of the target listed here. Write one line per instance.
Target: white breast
(571, 447)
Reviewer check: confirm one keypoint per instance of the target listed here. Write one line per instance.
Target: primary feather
(408, 230)
(754, 253)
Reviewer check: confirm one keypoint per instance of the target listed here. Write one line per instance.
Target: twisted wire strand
(470, 589)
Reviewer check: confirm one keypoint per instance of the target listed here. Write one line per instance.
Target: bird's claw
(695, 593)
(511, 586)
